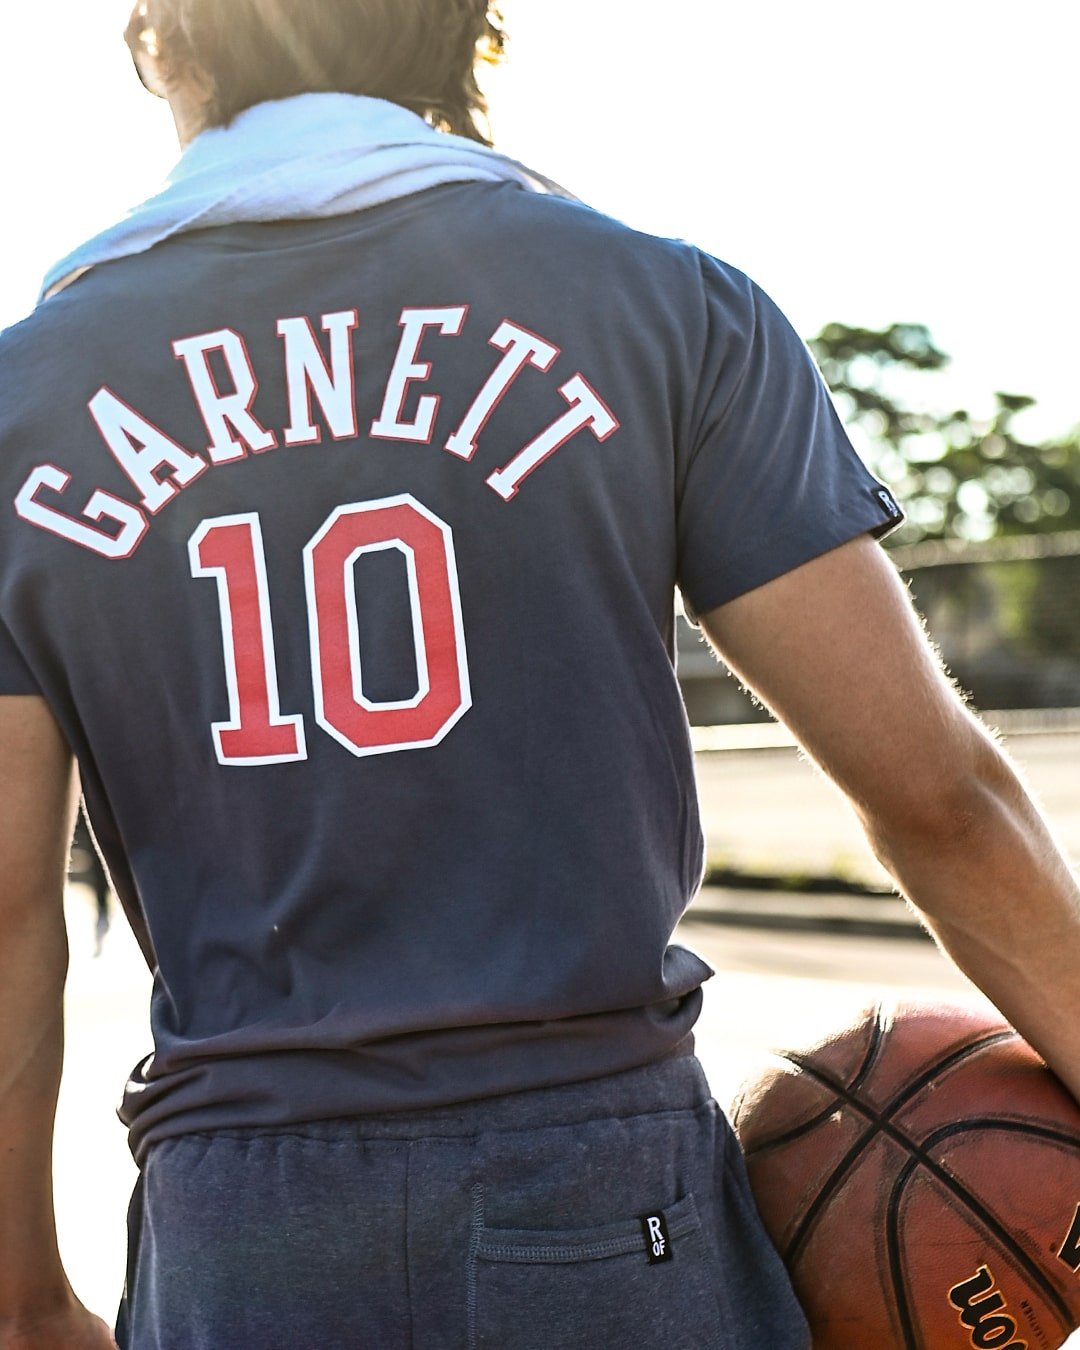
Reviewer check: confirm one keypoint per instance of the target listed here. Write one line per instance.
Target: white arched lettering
(522, 348)
(308, 374)
(102, 506)
(408, 370)
(143, 451)
(223, 413)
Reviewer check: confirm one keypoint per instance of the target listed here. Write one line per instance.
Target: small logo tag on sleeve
(888, 501)
(657, 1241)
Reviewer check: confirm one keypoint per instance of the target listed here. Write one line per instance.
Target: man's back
(380, 737)
(413, 771)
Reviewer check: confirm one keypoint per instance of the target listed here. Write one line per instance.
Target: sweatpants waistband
(675, 1083)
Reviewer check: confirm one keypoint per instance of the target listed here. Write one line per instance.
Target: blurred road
(768, 810)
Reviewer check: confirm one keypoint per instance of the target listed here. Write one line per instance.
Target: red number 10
(230, 550)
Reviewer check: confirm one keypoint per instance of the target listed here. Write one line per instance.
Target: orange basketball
(919, 1172)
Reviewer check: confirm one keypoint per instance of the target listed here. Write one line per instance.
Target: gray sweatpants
(602, 1215)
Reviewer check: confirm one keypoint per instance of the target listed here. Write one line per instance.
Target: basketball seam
(892, 1240)
(877, 1039)
(916, 1156)
(880, 1119)
(1047, 1132)
(861, 1073)
(796, 1132)
(985, 1217)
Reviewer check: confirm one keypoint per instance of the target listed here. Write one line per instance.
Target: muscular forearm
(1001, 900)
(836, 650)
(33, 961)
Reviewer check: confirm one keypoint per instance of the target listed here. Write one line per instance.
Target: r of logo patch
(981, 1308)
(657, 1241)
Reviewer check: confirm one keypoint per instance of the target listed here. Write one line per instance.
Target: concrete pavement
(766, 809)
(807, 911)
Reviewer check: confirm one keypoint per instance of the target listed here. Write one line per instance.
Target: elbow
(946, 809)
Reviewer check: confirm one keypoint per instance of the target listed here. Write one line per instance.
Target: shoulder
(24, 349)
(46, 352)
(640, 279)
(553, 222)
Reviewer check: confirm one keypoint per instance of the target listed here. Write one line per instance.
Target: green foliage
(958, 477)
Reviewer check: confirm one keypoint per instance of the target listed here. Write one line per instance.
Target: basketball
(919, 1172)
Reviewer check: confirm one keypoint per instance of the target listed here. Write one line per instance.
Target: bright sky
(865, 162)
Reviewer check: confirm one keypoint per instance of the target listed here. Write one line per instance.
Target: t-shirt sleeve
(15, 674)
(768, 479)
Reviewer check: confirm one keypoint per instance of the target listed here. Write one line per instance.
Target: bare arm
(37, 803)
(837, 652)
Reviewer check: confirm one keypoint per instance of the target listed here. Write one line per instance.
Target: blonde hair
(421, 54)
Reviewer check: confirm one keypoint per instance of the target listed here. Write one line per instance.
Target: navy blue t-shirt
(344, 553)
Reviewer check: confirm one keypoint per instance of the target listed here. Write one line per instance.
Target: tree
(958, 476)
(991, 544)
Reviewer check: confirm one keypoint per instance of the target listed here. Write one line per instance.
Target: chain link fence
(1005, 614)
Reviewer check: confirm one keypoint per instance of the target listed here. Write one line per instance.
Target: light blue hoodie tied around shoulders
(301, 158)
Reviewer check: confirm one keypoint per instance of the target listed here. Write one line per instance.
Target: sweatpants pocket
(646, 1283)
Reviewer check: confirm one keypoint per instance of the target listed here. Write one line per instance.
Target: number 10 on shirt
(231, 550)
